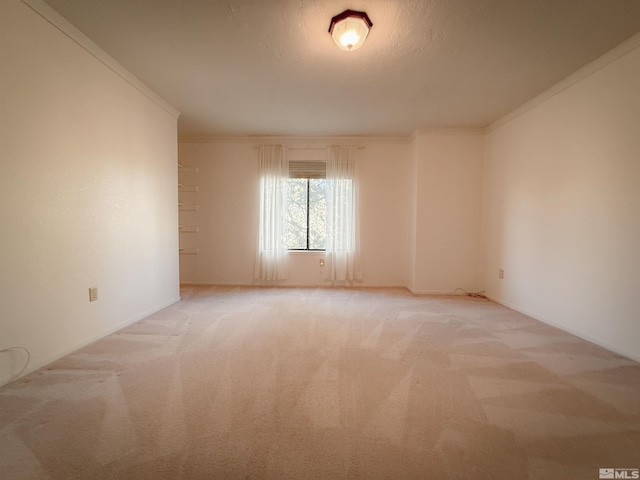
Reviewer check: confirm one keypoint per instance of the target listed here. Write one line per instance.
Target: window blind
(307, 169)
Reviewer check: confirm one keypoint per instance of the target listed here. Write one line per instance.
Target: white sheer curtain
(342, 215)
(271, 259)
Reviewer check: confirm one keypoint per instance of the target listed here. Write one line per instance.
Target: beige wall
(227, 179)
(384, 213)
(227, 214)
(87, 195)
(447, 184)
(419, 214)
(562, 207)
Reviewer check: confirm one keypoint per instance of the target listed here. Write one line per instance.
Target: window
(307, 206)
(307, 214)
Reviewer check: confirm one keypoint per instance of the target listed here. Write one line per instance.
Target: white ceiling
(269, 67)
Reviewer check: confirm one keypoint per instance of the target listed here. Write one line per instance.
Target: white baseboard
(635, 356)
(433, 292)
(289, 285)
(43, 362)
(321, 285)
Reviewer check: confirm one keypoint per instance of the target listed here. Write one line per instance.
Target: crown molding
(447, 131)
(59, 22)
(293, 140)
(611, 56)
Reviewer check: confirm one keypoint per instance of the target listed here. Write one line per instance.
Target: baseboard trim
(635, 356)
(434, 292)
(289, 285)
(40, 363)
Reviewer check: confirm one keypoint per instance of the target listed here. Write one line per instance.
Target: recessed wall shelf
(184, 169)
(187, 209)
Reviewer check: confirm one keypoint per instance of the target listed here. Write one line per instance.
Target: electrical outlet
(93, 294)
(501, 274)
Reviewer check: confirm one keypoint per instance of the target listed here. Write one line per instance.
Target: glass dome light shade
(349, 30)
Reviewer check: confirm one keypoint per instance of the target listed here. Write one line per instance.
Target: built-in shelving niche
(187, 208)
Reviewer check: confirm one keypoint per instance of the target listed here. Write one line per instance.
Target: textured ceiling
(269, 67)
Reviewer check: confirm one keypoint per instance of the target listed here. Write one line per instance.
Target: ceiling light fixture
(350, 29)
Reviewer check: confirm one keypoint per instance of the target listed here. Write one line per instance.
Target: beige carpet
(325, 383)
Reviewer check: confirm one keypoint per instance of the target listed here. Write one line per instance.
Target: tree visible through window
(306, 214)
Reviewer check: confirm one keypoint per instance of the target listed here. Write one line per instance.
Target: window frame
(308, 227)
(308, 165)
